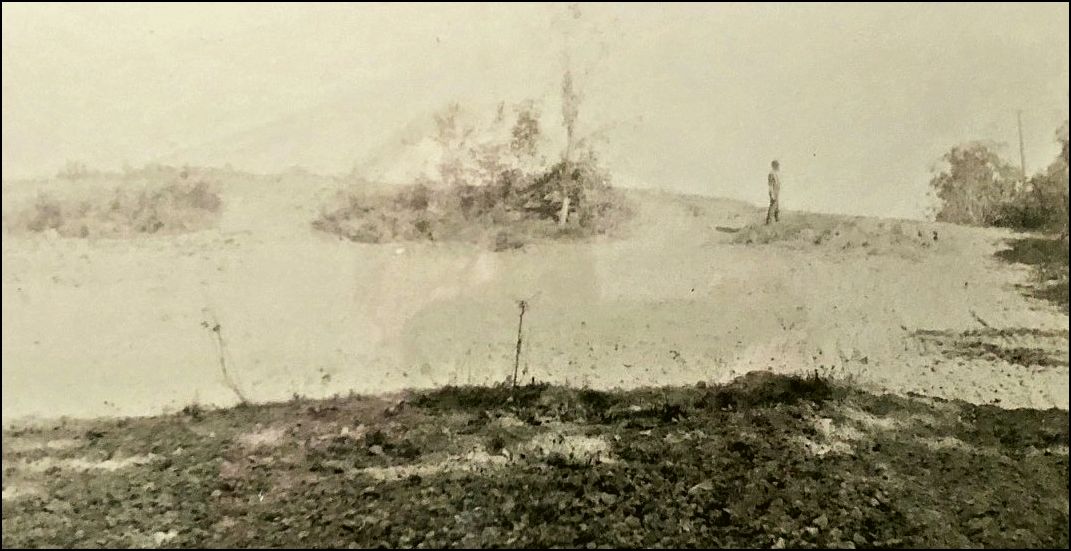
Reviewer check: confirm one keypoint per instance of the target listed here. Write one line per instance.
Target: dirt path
(115, 328)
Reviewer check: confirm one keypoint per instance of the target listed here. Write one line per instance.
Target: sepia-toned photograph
(535, 275)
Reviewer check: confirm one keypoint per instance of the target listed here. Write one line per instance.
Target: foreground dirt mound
(764, 461)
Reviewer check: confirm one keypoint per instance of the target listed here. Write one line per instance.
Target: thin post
(570, 110)
(1022, 149)
(221, 346)
(520, 328)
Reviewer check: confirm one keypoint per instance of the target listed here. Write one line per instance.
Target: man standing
(774, 180)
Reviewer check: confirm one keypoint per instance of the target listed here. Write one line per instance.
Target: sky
(857, 101)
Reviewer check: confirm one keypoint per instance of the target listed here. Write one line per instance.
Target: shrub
(1032, 212)
(492, 185)
(178, 206)
(504, 214)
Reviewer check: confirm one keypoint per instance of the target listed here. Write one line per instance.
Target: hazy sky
(856, 101)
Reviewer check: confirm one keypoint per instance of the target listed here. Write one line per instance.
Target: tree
(452, 135)
(973, 185)
(570, 110)
(1061, 136)
(525, 133)
(977, 187)
(1051, 186)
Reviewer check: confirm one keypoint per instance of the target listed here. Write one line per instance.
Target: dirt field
(115, 327)
(695, 294)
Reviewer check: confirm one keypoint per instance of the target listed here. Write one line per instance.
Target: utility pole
(1022, 150)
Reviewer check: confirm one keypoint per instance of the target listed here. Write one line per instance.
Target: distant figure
(774, 181)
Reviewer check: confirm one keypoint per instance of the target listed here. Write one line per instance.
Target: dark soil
(717, 466)
(1023, 347)
(1048, 257)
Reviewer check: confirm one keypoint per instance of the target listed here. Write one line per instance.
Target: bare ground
(695, 292)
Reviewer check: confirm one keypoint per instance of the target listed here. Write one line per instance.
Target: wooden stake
(520, 328)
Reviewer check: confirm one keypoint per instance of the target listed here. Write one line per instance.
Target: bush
(1043, 203)
(176, 207)
(1033, 213)
(506, 213)
(493, 185)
